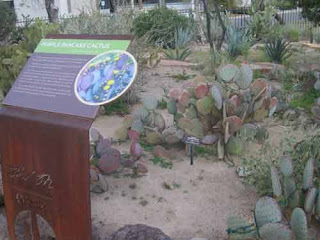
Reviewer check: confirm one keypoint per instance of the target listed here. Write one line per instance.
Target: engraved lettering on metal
(26, 201)
(192, 140)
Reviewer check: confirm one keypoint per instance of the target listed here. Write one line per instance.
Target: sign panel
(105, 78)
(47, 81)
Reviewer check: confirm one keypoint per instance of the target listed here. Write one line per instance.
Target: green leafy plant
(291, 34)
(278, 50)
(162, 162)
(159, 25)
(238, 41)
(119, 107)
(310, 10)
(178, 54)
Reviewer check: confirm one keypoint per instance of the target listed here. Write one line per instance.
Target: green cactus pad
(150, 102)
(228, 72)
(235, 146)
(172, 106)
(290, 192)
(184, 99)
(201, 90)
(298, 224)
(240, 228)
(257, 86)
(248, 131)
(122, 133)
(245, 78)
(205, 105)
(273, 106)
(137, 125)
(310, 200)
(276, 185)
(185, 123)
(127, 121)
(266, 211)
(191, 112)
(154, 138)
(141, 114)
(217, 97)
(308, 172)
(276, 231)
(286, 166)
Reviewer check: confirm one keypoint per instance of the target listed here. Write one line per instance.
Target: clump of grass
(133, 186)
(201, 150)
(305, 101)
(118, 107)
(146, 146)
(162, 162)
(162, 104)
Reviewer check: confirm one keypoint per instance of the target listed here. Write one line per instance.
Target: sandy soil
(205, 195)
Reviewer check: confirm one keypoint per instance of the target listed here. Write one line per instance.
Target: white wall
(36, 8)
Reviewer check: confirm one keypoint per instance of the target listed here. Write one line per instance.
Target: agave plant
(238, 41)
(178, 54)
(278, 49)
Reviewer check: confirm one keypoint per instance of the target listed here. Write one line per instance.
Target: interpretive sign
(47, 81)
(44, 126)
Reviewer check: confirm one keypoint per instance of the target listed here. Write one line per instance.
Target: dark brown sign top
(47, 84)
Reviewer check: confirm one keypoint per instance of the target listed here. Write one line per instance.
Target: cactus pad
(217, 97)
(273, 106)
(109, 162)
(191, 112)
(172, 106)
(174, 93)
(136, 150)
(245, 78)
(235, 123)
(298, 224)
(141, 114)
(276, 231)
(318, 204)
(201, 90)
(153, 138)
(267, 210)
(235, 146)
(121, 133)
(286, 166)
(308, 175)
(137, 125)
(310, 200)
(258, 86)
(150, 102)
(127, 121)
(276, 185)
(228, 72)
(290, 191)
(185, 98)
(205, 105)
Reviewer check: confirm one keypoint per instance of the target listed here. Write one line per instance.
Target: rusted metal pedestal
(45, 169)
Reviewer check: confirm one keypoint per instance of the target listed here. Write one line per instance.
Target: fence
(238, 17)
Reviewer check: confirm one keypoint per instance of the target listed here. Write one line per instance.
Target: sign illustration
(105, 77)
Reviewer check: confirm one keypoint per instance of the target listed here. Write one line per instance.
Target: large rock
(102, 146)
(138, 232)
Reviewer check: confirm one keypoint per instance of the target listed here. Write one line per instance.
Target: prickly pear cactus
(228, 72)
(286, 166)
(240, 228)
(298, 224)
(141, 114)
(150, 102)
(245, 78)
(290, 191)
(318, 205)
(137, 125)
(310, 200)
(172, 106)
(273, 231)
(266, 211)
(217, 97)
(308, 172)
(205, 105)
(276, 185)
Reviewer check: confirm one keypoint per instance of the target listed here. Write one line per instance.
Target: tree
(311, 11)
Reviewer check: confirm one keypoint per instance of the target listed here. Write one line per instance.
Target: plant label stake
(192, 141)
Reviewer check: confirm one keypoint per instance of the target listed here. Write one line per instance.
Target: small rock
(94, 135)
(110, 161)
(210, 139)
(102, 146)
(290, 115)
(141, 168)
(161, 152)
(99, 186)
(136, 150)
(139, 231)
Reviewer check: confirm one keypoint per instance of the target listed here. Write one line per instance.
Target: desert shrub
(291, 34)
(97, 23)
(284, 4)
(238, 41)
(7, 20)
(14, 57)
(159, 25)
(278, 49)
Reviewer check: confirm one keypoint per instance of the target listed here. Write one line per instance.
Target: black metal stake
(191, 154)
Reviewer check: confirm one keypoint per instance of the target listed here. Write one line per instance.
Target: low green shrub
(291, 34)
(7, 20)
(278, 50)
(14, 57)
(160, 25)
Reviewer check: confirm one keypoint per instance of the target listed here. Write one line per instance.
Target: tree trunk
(52, 11)
(208, 20)
(224, 28)
(162, 3)
(140, 4)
